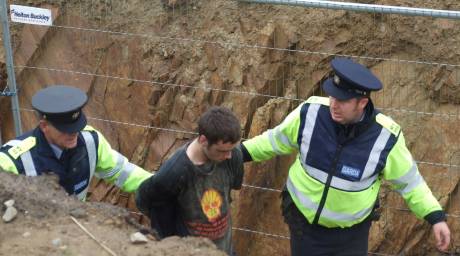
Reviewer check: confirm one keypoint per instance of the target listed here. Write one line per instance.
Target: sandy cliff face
(147, 88)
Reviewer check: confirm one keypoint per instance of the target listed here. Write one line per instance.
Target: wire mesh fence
(256, 55)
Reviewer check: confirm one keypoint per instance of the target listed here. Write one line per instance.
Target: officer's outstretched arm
(115, 168)
(281, 140)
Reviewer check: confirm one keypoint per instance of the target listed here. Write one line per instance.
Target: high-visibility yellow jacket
(336, 177)
(32, 155)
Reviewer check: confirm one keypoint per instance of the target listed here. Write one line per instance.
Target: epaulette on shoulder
(388, 123)
(22, 147)
(318, 100)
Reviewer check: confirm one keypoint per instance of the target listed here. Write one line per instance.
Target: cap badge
(75, 115)
(336, 80)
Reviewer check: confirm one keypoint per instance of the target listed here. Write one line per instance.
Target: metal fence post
(10, 68)
(358, 7)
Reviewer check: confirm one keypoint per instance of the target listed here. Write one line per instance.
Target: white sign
(31, 15)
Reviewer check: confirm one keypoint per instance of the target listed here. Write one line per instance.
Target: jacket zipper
(328, 184)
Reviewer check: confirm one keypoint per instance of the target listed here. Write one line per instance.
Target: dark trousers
(314, 240)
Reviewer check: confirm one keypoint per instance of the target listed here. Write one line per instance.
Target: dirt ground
(44, 225)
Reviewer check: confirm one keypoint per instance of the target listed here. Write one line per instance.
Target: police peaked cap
(350, 80)
(62, 105)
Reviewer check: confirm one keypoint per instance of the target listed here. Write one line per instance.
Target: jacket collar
(44, 147)
(348, 132)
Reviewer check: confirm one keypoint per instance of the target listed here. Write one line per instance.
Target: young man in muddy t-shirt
(190, 194)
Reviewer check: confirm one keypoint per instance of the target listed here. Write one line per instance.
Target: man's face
(347, 111)
(58, 138)
(219, 151)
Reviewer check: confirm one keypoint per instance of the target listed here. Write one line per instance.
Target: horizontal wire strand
(158, 83)
(262, 188)
(449, 116)
(261, 233)
(275, 236)
(243, 45)
(194, 133)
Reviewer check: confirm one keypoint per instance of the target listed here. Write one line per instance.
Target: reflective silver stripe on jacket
(127, 170)
(409, 181)
(281, 137)
(376, 151)
(26, 159)
(121, 160)
(326, 213)
(307, 132)
(367, 178)
(272, 139)
(337, 182)
(92, 156)
(123, 166)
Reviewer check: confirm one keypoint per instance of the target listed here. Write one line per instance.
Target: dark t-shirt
(185, 199)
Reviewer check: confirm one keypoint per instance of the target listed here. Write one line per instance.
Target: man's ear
(202, 140)
(363, 102)
(43, 125)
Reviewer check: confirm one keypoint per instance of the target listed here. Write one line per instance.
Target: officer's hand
(442, 234)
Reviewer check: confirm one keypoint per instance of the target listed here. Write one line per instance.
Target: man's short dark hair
(219, 124)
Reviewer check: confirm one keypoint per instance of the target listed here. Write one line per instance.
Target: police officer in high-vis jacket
(345, 147)
(63, 144)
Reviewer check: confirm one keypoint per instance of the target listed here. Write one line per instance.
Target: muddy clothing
(185, 199)
(32, 155)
